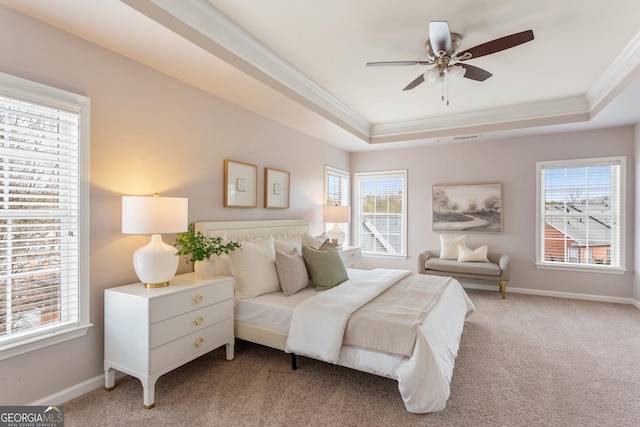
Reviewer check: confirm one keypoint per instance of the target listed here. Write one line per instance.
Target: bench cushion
(453, 266)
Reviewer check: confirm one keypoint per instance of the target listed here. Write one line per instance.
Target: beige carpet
(524, 361)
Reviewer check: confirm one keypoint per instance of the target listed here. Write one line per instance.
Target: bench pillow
(472, 255)
(449, 245)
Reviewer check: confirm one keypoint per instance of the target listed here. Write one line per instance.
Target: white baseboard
(74, 391)
(554, 294)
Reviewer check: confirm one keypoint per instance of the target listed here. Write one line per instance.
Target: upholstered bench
(496, 270)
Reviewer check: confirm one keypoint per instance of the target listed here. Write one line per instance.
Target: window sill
(581, 268)
(385, 256)
(37, 342)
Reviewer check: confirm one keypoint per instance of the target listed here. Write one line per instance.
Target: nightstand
(351, 256)
(151, 331)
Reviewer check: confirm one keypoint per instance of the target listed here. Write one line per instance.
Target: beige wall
(636, 220)
(149, 133)
(511, 162)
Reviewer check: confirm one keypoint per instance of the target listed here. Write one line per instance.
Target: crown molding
(567, 110)
(228, 41)
(201, 23)
(619, 73)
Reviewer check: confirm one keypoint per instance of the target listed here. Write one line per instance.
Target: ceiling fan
(442, 52)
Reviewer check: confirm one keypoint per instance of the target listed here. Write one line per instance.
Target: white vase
(205, 269)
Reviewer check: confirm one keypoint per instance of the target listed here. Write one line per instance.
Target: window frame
(36, 93)
(618, 232)
(345, 199)
(358, 179)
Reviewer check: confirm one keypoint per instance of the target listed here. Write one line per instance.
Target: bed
(269, 317)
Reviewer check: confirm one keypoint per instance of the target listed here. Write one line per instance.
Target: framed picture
(276, 189)
(240, 185)
(467, 207)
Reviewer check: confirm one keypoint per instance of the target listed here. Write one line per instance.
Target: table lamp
(155, 263)
(336, 214)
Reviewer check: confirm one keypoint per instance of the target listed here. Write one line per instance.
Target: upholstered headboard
(240, 231)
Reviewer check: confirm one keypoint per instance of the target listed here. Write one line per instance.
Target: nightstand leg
(109, 379)
(229, 350)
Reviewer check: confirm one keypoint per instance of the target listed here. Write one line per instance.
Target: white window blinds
(381, 208)
(336, 187)
(580, 213)
(39, 220)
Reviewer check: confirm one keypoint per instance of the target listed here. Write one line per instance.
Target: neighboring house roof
(376, 236)
(580, 221)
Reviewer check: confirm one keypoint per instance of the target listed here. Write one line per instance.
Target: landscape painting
(467, 207)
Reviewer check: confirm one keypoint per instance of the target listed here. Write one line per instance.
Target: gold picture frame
(240, 184)
(276, 188)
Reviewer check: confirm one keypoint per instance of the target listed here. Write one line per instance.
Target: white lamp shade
(336, 214)
(155, 263)
(154, 215)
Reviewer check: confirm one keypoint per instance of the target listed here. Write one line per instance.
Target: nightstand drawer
(351, 256)
(192, 299)
(179, 326)
(200, 341)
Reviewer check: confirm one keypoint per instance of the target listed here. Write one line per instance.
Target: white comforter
(318, 324)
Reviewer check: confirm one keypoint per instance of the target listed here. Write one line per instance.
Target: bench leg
(503, 288)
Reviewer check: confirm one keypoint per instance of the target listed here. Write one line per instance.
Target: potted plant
(198, 248)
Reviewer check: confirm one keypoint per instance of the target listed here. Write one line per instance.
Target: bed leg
(294, 363)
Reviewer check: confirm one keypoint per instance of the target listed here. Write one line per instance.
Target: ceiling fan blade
(497, 45)
(415, 83)
(474, 73)
(397, 63)
(440, 36)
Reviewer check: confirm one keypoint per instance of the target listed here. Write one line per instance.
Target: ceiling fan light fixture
(457, 71)
(432, 74)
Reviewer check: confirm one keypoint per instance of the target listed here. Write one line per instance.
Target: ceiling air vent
(461, 138)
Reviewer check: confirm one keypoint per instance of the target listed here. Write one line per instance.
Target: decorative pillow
(314, 242)
(449, 245)
(287, 246)
(292, 271)
(253, 267)
(325, 266)
(222, 264)
(475, 255)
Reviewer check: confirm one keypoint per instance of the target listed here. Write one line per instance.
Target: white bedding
(318, 324)
(424, 379)
(271, 311)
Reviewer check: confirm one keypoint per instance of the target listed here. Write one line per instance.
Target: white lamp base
(336, 235)
(155, 263)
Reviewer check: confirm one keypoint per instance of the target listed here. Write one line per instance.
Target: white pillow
(449, 245)
(474, 255)
(253, 267)
(314, 242)
(292, 271)
(287, 246)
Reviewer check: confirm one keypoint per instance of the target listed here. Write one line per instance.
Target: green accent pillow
(325, 266)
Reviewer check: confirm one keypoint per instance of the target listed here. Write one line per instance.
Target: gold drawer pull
(198, 342)
(198, 320)
(197, 299)
(352, 255)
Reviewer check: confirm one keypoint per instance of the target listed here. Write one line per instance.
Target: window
(336, 192)
(381, 219)
(44, 286)
(580, 214)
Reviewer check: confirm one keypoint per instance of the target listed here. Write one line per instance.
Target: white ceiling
(302, 63)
